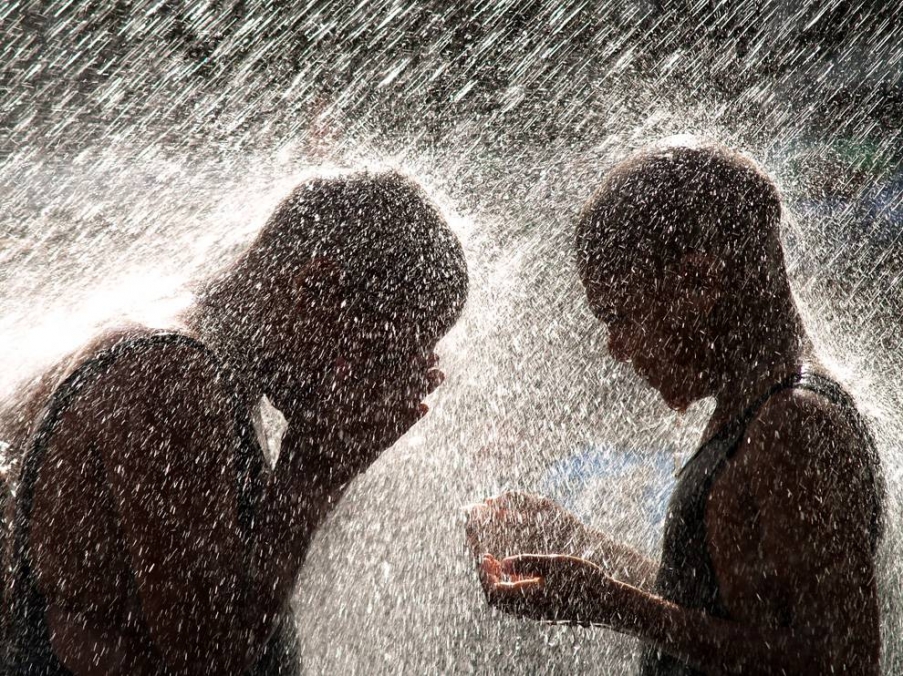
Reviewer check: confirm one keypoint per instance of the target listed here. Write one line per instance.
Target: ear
(318, 285)
(701, 280)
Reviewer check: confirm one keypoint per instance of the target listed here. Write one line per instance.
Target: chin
(681, 393)
(679, 402)
(678, 406)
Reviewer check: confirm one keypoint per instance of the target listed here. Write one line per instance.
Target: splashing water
(144, 143)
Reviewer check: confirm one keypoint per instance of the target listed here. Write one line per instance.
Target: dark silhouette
(149, 537)
(768, 556)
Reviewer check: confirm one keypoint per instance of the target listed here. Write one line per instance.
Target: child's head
(679, 252)
(357, 273)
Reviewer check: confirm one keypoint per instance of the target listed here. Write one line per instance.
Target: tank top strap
(753, 409)
(837, 395)
(729, 436)
(248, 464)
(26, 607)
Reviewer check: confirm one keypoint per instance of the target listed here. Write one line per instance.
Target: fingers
(489, 569)
(498, 582)
(405, 414)
(522, 596)
(496, 507)
(514, 522)
(522, 501)
(519, 596)
(434, 378)
(509, 501)
(490, 527)
(520, 586)
(477, 517)
(515, 498)
(547, 565)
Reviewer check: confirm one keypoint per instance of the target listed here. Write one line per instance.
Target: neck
(764, 359)
(214, 325)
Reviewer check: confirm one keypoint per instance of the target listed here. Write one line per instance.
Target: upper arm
(165, 434)
(814, 506)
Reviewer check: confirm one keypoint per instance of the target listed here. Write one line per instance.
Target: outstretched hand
(517, 522)
(553, 588)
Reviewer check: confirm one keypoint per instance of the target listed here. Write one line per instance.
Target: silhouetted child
(149, 537)
(768, 555)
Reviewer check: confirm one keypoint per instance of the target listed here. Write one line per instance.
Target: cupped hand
(364, 408)
(553, 588)
(394, 403)
(521, 522)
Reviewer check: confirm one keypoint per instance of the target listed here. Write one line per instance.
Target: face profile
(672, 245)
(341, 301)
(661, 326)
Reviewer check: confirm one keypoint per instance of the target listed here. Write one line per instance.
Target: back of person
(48, 408)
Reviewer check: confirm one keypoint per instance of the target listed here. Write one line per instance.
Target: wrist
(655, 619)
(633, 608)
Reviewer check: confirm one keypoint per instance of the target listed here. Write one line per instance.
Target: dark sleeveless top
(29, 652)
(687, 576)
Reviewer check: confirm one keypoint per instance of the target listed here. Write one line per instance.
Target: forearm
(623, 563)
(235, 616)
(290, 509)
(298, 495)
(718, 646)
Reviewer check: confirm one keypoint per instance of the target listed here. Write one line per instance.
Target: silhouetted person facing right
(149, 536)
(768, 556)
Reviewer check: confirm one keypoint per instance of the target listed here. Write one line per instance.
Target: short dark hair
(400, 262)
(678, 197)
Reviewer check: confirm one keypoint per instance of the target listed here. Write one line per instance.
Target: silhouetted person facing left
(149, 537)
(768, 554)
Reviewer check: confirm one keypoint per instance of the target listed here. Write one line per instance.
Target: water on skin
(143, 144)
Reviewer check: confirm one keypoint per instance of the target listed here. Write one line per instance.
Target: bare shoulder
(805, 443)
(799, 425)
(161, 394)
(139, 417)
(145, 373)
(123, 358)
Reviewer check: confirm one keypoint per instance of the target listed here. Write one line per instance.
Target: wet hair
(678, 197)
(399, 262)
